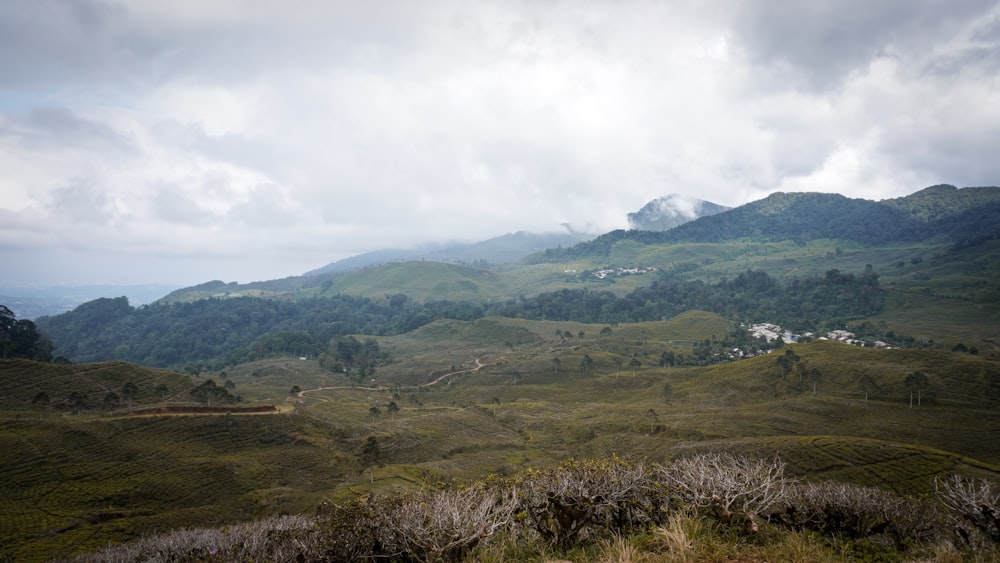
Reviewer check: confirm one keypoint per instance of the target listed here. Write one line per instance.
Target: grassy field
(461, 400)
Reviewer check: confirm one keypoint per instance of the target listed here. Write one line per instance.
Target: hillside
(505, 249)
(942, 212)
(464, 399)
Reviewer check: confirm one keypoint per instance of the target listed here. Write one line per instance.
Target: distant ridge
(943, 212)
(665, 213)
(505, 249)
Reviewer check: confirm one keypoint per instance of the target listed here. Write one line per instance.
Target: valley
(224, 403)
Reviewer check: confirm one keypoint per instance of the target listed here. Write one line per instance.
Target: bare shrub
(357, 530)
(282, 538)
(730, 485)
(974, 507)
(861, 512)
(578, 498)
(445, 525)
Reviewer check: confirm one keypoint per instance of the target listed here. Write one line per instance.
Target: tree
(295, 390)
(76, 401)
(868, 384)
(634, 364)
(129, 391)
(371, 454)
(121, 351)
(209, 391)
(161, 391)
(652, 416)
(815, 375)
(667, 359)
(916, 381)
(111, 400)
(586, 364)
(20, 339)
(556, 363)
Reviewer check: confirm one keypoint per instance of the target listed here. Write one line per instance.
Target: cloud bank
(183, 141)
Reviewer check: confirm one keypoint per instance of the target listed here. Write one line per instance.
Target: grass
(76, 482)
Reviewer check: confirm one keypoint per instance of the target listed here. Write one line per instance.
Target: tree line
(214, 333)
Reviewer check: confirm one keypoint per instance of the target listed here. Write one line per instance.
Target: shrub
(973, 506)
(283, 538)
(859, 512)
(730, 485)
(580, 498)
(445, 525)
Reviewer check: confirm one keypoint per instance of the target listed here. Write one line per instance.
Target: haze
(182, 141)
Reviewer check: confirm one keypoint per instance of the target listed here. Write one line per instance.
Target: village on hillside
(772, 332)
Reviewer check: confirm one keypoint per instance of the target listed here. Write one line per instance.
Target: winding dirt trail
(437, 380)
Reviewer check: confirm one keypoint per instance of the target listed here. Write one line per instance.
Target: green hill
(420, 281)
(462, 399)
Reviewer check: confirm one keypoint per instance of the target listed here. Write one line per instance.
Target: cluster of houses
(850, 338)
(601, 274)
(772, 332)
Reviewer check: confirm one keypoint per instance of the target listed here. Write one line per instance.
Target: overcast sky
(179, 141)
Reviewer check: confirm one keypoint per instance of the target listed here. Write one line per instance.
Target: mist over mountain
(944, 212)
(505, 249)
(667, 212)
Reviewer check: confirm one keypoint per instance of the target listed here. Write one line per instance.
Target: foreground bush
(857, 512)
(592, 509)
(578, 500)
(974, 508)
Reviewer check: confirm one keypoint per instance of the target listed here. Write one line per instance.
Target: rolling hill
(461, 400)
(499, 370)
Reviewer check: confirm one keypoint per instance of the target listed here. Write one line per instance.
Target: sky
(181, 141)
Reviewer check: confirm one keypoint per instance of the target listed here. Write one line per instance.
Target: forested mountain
(244, 325)
(936, 212)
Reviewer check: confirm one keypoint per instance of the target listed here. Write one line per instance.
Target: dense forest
(213, 333)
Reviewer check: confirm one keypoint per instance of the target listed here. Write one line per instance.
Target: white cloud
(265, 140)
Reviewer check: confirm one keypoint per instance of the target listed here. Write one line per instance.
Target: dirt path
(437, 380)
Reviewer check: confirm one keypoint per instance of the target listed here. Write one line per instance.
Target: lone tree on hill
(916, 381)
(586, 364)
(868, 384)
(111, 400)
(815, 375)
(635, 364)
(129, 391)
